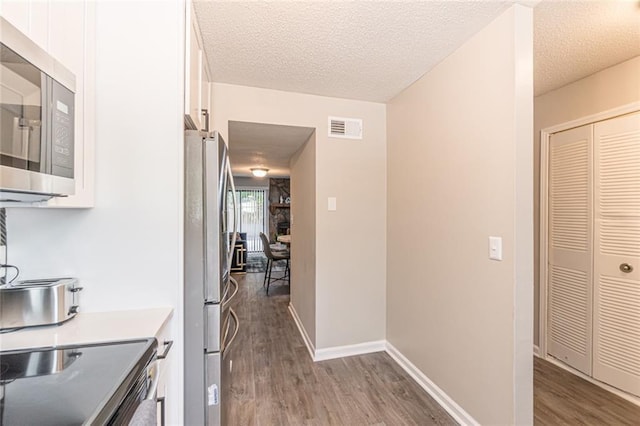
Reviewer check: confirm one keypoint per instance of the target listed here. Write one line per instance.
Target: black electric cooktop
(69, 385)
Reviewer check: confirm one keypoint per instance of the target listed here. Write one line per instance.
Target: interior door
(570, 241)
(617, 259)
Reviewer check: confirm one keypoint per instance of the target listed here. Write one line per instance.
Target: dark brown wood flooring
(562, 398)
(275, 382)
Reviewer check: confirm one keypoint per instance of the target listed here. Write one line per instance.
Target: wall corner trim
(445, 401)
(303, 332)
(336, 351)
(536, 351)
(350, 350)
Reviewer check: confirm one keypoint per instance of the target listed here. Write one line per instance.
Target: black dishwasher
(94, 384)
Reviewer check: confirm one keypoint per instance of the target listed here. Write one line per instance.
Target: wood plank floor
(562, 398)
(275, 382)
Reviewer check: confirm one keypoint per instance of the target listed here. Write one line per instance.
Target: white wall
(460, 167)
(350, 242)
(127, 251)
(610, 88)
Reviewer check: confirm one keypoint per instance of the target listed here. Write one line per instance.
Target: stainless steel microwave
(36, 121)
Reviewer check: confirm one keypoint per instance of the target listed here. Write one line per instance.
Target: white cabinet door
(66, 30)
(18, 13)
(205, 96)
(39, 23)
(617, 258)
(31, 17)
(71, 42)
(193, 73)
(197, 78)
(570, 242)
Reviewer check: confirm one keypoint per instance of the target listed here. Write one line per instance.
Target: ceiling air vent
(347, 128)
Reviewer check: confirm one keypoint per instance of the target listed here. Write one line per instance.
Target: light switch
(495, 248)
(332, 204)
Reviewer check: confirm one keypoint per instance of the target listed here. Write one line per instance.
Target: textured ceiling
(576, 39)
(373, 50)
(264, 145)
(356, 50)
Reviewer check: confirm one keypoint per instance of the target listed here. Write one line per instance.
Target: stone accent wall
(278, 187)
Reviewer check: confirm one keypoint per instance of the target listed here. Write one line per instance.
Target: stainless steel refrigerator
(210, 325)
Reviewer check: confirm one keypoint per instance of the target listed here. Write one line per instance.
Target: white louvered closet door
(617, 241)
(570, 241)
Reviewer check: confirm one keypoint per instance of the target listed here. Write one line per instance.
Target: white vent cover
(347, 128)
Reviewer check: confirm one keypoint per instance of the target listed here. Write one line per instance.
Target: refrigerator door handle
(227, 345)
(211, 219)
(234, 235)
(226, 300)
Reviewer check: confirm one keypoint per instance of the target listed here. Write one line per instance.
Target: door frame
(545, 136)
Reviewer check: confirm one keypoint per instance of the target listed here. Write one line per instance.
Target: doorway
(266, 201)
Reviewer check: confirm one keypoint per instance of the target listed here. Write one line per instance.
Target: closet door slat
(570, 292)
(617, 240)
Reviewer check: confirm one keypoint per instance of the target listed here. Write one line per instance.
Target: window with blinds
(253, 217)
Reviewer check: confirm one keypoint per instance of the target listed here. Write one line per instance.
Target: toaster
(33, 303)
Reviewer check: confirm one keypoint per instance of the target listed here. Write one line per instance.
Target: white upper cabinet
(19, 14)
(66, 30)
(72, 42)
(205, 96)
(197, 88)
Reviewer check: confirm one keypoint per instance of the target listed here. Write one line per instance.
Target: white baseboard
(536, 350)
(445, 401)
(350, 350)
(305, 337)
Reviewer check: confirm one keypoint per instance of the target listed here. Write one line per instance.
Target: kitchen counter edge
(91, 327)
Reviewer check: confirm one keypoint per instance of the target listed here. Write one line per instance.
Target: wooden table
(284, 239)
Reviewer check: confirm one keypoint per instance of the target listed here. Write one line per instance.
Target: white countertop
(93, 327)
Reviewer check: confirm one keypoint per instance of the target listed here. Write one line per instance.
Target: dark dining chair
(274, 256)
